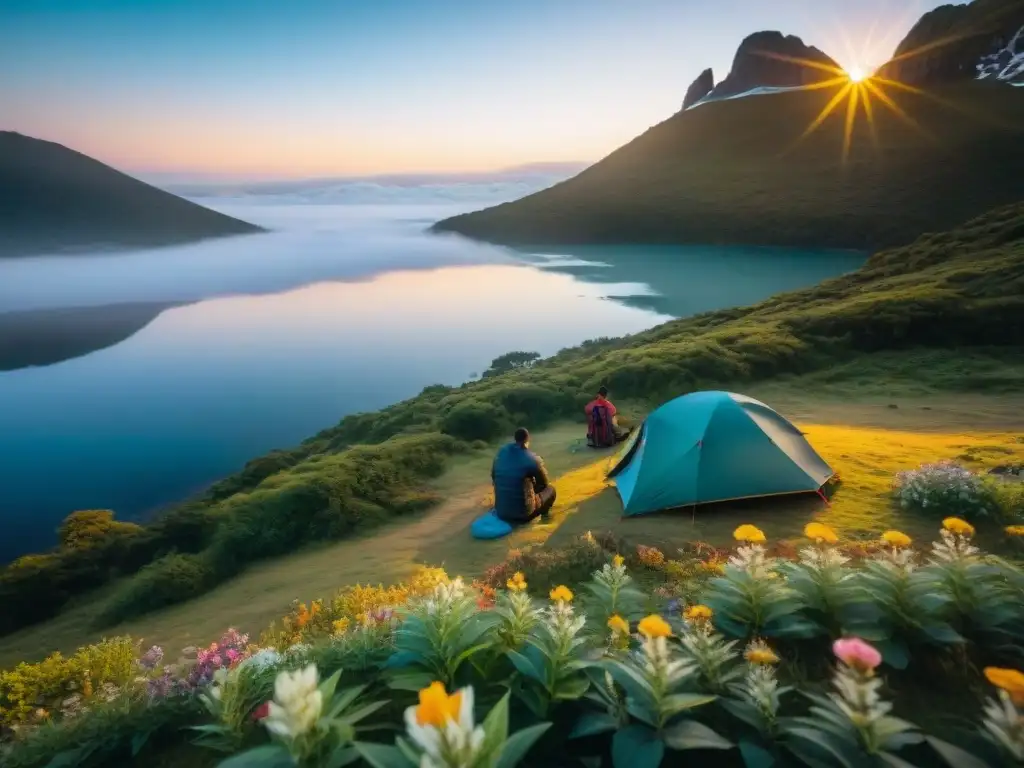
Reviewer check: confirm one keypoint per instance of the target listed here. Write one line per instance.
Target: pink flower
(261, 711)
(233, 655)
(217, 661)
(857, 654)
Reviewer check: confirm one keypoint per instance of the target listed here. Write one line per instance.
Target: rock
(766, 59)
(699, 88)
(957, 42)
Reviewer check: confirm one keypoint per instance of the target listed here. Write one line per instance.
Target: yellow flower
(1010, 680)
(1015, 530)
(654, 626)
(896, 539)
(958, 526)
(697, 613)
(561, 593)
(618, 625)
(517, 583)
(340, 626)
(819, 532)
(618, 560)
(750, 534)
(436, 707)
(758, 652)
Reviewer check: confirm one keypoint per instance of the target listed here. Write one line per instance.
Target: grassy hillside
(955, 300)
(737, 172)
(53, 198)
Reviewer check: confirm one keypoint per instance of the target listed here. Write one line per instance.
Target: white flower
(1004, 723)
(262, 659)
(297, 703)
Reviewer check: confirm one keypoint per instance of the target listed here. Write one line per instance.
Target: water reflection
(688, 280)
(205, 387)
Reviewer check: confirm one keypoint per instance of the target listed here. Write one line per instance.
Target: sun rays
(864, 93)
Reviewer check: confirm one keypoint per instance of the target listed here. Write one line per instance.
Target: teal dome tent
(714, 446)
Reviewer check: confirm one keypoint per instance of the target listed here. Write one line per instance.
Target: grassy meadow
(743, 172)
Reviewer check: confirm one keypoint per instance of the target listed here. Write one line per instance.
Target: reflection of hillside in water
(46, 336)
(688, 280)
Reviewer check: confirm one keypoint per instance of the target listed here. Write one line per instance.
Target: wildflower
(759, 653)
(517, 583)
(896, 539)
(652, 557)
(958, 527)
(857, 654)
(1009, 680)
(618, 561)
(561, 594)
(340, 626)
(654, 626)
(820, 533)
(297, 703)
(750, 534)
(857, 692)
(618, 625)
(697, 613)
(442, 726)
(1002, 718)
(436, 707)
(1015, 530)
(151, 658)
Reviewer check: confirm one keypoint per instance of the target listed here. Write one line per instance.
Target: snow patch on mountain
(1006, 64)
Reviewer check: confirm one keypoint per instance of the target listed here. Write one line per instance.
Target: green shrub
(171, 579)
(476, 420)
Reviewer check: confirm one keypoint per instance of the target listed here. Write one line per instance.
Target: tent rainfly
(714, 446)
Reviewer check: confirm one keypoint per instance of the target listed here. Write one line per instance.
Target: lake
(169, 369)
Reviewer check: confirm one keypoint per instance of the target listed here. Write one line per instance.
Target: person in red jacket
(603, 429)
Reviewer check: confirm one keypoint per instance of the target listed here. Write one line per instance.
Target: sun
(856, 74)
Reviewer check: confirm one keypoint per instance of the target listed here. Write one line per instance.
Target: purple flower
(151, 659)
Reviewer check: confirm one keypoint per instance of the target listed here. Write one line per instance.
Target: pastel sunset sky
(292, 88)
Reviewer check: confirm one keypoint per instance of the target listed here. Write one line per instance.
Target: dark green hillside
(951, 304)
(734, 172)
(53, 198)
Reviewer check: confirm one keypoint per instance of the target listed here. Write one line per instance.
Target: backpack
(599, 430)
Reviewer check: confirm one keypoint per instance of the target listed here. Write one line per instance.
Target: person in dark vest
(522, 489)
(603, 428)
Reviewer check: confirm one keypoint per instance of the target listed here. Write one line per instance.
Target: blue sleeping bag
(490, 526)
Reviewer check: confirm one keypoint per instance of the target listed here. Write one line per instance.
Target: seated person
(522, 489)
(603, 428)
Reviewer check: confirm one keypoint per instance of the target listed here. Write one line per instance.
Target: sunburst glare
(856, 74)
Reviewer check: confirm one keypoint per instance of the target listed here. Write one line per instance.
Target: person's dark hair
(522, 435)
(603, 391)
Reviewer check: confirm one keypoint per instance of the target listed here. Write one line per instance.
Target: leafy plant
(659, 687)
(437, 635)
(551, 669)
(750, 600)
(310, 723)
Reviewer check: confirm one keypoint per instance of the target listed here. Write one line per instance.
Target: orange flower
(1010, 680)
(436, 707)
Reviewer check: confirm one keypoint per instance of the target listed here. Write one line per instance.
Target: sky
(302, 88)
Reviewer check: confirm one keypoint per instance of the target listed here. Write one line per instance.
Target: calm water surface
(258, 342)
